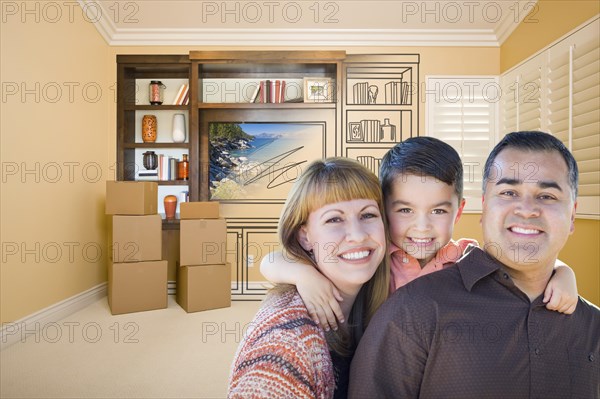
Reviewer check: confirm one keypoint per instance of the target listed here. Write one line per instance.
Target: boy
(422, 184)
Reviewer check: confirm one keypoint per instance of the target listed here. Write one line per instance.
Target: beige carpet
(157, 354)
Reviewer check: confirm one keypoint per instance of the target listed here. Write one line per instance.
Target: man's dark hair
(534, 141)
(422, 156)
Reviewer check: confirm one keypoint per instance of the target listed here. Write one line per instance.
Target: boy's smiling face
(422, 211)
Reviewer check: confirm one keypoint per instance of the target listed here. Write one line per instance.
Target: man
(480, 328)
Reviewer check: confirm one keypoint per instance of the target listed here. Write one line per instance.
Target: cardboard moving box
(131, 198)
(137, 286)
(199, 210)
(136, 238)
(203, 242)
(204, 287)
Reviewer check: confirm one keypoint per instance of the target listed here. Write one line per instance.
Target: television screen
(260, 161)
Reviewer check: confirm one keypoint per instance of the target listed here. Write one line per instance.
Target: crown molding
(297, 37)
(493, 37)
(508, 25)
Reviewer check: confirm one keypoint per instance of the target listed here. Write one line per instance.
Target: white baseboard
(12, 332)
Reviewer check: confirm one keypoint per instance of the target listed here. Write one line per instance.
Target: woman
(333, 219)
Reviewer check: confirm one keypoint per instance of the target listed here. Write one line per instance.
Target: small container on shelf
(170, 202)
(149, 126)
(150, 160)
(183, 172)
(178, 128)
(156, 92)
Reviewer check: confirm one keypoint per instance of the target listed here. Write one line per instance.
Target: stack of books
(396, 92)
(167, 170)
(269, 92)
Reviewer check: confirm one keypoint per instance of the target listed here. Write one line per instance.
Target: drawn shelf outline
(381, 106)
(370, 162)
(381, 127)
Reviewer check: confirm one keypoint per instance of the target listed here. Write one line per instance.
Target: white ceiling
(307, 22)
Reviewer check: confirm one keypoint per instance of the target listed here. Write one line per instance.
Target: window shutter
(529, 106)
(509, 104)
(568, 105)
(585, 136)
(465, 118)
(558, 90)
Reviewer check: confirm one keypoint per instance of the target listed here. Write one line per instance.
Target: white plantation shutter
(509, 115)
(558, 88)
(464, 116)
(530, 108)
(569, 104)
(585, 137)
(522, 102)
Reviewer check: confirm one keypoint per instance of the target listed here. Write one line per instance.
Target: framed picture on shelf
(355, 133)
(318, 90)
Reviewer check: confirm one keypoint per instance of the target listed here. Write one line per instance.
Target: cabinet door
(248, 242)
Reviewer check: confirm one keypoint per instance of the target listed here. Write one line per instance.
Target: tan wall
(49, 215)
(550, 20)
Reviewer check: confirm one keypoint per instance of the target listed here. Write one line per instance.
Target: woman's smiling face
(347, 240)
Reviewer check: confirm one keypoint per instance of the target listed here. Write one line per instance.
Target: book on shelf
(405, 92)
(277, 96)
(268, 91)
(147, 175)
(360, 93)
(172, 168)
(282, 96)
(262, 91)
(254, 96)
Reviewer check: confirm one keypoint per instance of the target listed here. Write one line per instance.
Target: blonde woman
(333, 219)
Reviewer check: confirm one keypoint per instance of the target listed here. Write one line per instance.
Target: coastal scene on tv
(260, 161)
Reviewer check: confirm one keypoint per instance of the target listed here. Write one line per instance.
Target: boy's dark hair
(422, 156)
(534, 141)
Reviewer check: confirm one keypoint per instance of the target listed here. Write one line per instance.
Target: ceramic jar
(178, 128)
(150, 160)
(170, 206)
(149, 126)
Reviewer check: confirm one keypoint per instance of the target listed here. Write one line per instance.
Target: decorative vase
(183, 168)
(149, 128)
(170, 206)
(178, 128)
(150, 160)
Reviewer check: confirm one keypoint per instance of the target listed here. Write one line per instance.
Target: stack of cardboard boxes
(203, 276)
(137, 275)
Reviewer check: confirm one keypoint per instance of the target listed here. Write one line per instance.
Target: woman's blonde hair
(325, 182)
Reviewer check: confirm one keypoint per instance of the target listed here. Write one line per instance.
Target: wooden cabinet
(134, 74)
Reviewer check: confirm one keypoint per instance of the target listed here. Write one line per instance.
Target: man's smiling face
(528, 208)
